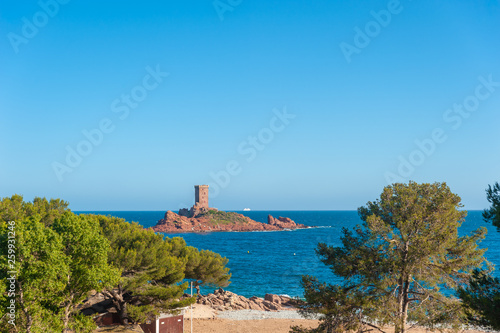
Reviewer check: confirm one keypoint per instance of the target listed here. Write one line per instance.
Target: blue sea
(274, 261)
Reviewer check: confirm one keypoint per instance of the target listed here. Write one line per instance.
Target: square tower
(201, 195)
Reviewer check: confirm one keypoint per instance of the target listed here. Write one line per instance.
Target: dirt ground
(205, 321)
(263, 326)
(245, 326)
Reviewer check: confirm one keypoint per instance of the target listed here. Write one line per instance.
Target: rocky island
(202, 218)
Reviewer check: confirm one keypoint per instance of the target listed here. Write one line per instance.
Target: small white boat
(246, 209)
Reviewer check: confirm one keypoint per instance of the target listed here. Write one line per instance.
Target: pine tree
(58, 259)
(492, 214)
(397, 262)
(151, 270)
(86, 250)
(41, 269)
(481, 297)
(206, 268)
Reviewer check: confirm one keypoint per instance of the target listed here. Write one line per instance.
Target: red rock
(272, 298)
(282, 300)
(269, 306)
(213, 220)
(282, 222)
(202, 218)
(225, 300)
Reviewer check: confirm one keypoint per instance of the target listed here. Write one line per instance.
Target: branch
(371, 325)
(413, 299)
(418, 283)
(395, 289)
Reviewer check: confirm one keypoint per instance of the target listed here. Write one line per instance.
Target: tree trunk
(123, 314)
(29, 319)
(67, 311)
(399, 326)
(404, 307)
(118, 301)
(404, 285)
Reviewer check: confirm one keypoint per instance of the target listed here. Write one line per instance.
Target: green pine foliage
(87, 252)
(206, 268)
(492, 214)
(481, 297)
(151, 270)
(15, 208)
(154, 269)
(59, 259)
(41, 274)
(396, 264)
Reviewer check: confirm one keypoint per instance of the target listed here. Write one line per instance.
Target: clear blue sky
(360, 101)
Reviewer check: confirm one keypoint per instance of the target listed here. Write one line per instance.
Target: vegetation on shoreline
(492, 214)
(395, 264)
(60, 257)
(481, 297)
(218, 216)
(57, 257)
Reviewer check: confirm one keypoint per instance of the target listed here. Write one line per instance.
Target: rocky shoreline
(102, 307)
(223, 300)
(212, 220)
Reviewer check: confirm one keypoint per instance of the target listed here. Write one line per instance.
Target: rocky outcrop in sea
(210, 220)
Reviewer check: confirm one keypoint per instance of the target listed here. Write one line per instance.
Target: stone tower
(201, 196)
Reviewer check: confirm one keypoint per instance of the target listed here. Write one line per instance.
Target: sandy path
(265, 326)
(205, 320)
(246, 326)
